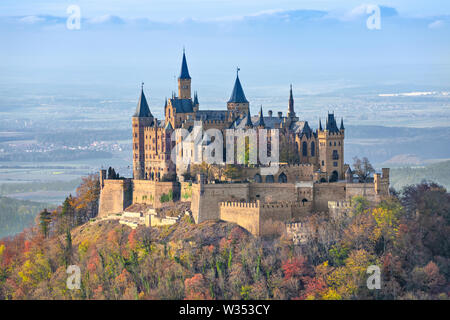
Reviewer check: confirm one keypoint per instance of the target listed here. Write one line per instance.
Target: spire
(142, 109)
(237, 96)
(260, 122)
(249, 123)
(184, 74)
(195, 98)
(342, 124)
(165, 103)
(291, 112)
(320, 125)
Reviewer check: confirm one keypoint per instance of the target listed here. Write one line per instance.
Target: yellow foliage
(2, 249)
(331, 294)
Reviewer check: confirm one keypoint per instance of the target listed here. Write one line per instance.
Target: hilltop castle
(312, 176)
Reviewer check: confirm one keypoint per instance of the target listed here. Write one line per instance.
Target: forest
(406, 236)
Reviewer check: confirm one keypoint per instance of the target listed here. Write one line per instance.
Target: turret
(141, 119)
(184, 80)
(237, 100)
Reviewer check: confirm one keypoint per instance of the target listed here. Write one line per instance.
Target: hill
(437, 172)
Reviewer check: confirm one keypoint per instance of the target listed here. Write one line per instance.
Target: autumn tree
(362, 168)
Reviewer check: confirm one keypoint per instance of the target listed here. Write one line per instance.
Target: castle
(311, 175)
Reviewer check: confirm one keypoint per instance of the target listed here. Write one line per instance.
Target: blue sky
(319, 45)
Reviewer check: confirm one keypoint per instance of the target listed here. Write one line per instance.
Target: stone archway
(257, 178)
(270, 179)
(334, 176)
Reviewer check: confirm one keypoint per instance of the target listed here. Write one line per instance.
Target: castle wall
(150, 192)
(115, 196)
(270, 192)
(246, 215)
(324, 192)
(206, 198)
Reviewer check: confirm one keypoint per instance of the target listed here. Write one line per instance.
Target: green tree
(44, 222)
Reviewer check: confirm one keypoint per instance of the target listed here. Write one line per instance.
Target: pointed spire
(195, 98)
(342, 124)
(249, 122)
(142, 109)
(237, 96)
(291, 112)
(260, 122)
(165, 103)
(184, 74)
(320, 125)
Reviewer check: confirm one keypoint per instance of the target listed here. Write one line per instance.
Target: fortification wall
(324, 192)
(246, 215)
(270, 192)
(115, 196)
(186, 191)
(155, 193)
(366, 190)
(206, 198)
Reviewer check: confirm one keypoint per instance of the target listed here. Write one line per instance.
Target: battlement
(240, 204)
(339, 204)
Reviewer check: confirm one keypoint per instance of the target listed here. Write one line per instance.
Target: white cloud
(31, 19)
(436, 24)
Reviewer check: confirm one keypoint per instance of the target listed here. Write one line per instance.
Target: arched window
(270, 179)
(257, 178)
(313, 149)
(305, 149)
(282, 178)
(335, 155)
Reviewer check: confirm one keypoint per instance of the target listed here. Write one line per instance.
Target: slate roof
(331, 123)
(184, 74)
(237, 96)
(211, 115)
(182, 105)
(142, 109)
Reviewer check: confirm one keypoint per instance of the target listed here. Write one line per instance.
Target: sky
(320, 46)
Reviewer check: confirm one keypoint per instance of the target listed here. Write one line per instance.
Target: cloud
(366, 9)
(31, 19)
(106, 19)
(436, 24)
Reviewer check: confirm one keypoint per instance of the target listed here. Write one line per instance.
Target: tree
(362, 168)
(44, 222)
(232, 172)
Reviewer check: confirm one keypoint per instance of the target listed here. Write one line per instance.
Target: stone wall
(206, 198)
(246, 215)
(150, 192)
(324, 192)
(115, 196)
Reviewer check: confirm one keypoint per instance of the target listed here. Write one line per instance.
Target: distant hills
(15, 215)
(437, 172)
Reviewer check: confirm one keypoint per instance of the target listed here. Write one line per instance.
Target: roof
(331, 123)
(212, 115)
(237, 96)
(142, 109)
(260, 122)
(182, 105)
(184, 74)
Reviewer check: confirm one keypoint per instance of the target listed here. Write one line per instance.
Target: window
(313, 149)
(335, 164)
(335, 143)
(335, 155)
(305, 149)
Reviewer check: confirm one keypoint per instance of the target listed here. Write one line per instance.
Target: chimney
(270, 113)
(280, 114)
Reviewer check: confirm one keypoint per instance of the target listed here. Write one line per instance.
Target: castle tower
(291, 111)
(196, 104)
(141, 119)
(331, 149)
(184, 80)
(238, 102)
